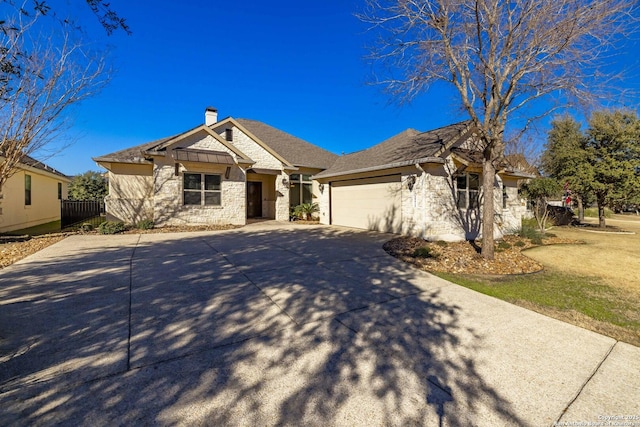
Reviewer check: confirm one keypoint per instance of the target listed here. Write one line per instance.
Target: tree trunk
(488, 209)
(580, 209)
(601, 218)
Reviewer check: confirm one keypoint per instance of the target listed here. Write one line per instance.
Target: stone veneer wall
(512, 215)
(324, 214)
(413, 209)
(282, 198)
(443, 221)
(429, 210)
(167, 203)
(263, 159)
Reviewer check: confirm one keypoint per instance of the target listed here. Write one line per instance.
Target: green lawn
(582, 300)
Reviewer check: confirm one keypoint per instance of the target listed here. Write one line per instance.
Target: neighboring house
(31, 196)
(227, 171)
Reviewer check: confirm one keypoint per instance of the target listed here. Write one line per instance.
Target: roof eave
(116, 160)
(517, 174)
(394, 165)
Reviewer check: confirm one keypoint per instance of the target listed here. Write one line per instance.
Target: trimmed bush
(145, 224)
(111, 227)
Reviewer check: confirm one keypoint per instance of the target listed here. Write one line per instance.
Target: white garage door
(370, 203)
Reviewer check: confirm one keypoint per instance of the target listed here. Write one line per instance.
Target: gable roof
(139, 153)
(133, 154)
(407, 147)
(294, 150)
(284, 146)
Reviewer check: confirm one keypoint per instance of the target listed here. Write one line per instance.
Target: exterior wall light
(411, 181)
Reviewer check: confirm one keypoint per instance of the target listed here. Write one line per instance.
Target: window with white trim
(202, 189)
(467, 191)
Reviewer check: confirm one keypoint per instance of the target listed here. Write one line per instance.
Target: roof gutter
(382, 167)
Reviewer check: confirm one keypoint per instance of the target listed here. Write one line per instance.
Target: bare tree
(500, 56)
(51, 73)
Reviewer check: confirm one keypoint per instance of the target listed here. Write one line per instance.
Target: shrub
(519, 243)
(441, 243)
(536, 240)
(145, 224)
(111, 227)
(529, 232)
(305, 211)
(504, 245)
(424, 252)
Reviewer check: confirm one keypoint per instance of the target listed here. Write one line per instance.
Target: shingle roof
(293, 149)
(132, 154)
(37, 164)
(405, 147)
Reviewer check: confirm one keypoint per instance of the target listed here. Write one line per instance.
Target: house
(230, 170)
(31, 196)
(222, 172)
(426, 184)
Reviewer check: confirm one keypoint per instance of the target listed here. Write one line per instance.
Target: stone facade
(168, 205)
(429, 209)
(262, 158)
(422, 201)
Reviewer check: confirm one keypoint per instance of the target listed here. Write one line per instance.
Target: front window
(301, 189)
(59, 191)
(27, 190)
(467, 188)
(202, 189)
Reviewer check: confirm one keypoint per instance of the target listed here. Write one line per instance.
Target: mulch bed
(464, 257)
(181, 229)
(13, 249)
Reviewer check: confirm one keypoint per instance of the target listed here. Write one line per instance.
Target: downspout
(424, 205)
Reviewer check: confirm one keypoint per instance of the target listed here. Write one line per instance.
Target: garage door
(370, 204)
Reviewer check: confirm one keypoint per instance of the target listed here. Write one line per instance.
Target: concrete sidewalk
(277, 324)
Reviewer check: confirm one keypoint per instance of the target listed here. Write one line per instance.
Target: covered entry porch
(267, 194)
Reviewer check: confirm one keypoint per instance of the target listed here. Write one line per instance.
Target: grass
(50, 227)
(581, 300)
(595, 285)
(593, 212)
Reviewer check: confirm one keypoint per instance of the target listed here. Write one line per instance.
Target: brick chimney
(210, 116)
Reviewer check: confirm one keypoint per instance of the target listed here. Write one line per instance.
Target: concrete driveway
(275, 324)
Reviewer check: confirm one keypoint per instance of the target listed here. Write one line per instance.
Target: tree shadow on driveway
(282, 327)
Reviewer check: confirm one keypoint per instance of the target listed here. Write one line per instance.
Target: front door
(254, 199)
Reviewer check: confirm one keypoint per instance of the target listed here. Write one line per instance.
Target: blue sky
(298, 66)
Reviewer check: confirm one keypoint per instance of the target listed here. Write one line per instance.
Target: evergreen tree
(90, 185)
(613, 146)
(566, 159)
